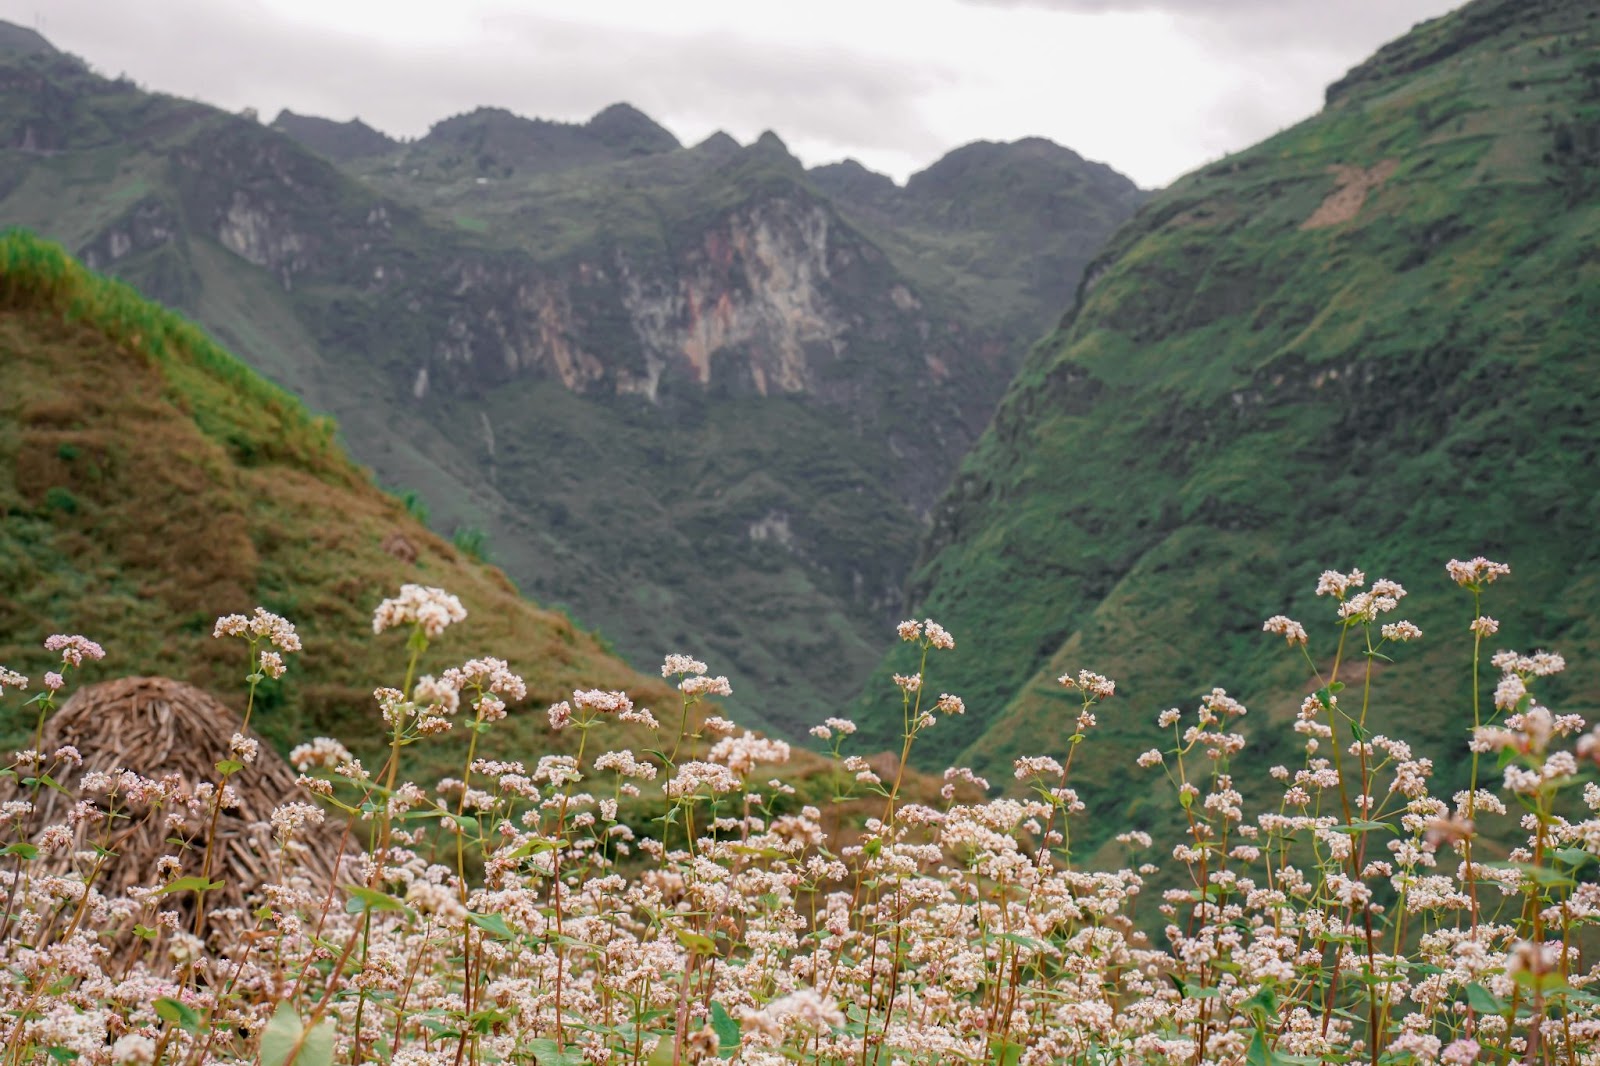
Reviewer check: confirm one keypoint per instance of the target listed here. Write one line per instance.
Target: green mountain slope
(150, 482)
(688, 392)
(1368, 341)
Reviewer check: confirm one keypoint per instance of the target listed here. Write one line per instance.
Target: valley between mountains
(700, 397)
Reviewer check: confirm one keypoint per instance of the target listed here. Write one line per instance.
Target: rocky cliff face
(753, 293)
(758, 282)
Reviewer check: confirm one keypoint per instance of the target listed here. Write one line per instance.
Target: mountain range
(700, 397)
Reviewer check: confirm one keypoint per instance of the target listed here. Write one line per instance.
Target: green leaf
(26, 851)
(662, 1055)
(49, 782)
(483, 1021)
(727, 1029)
(534, 847)
(1539, 875)
(189, 884)
(493, 923)
(317, 1050)
(1261, 1055)
(1004, 1052)
(179, 1014)
(364, 899)
(1258, 1054)
(63, 1054)
(281, 1037)
(547, 1052)
(1482, 1000)
(229, 766)
(695, 942)
(145, 932)
(285, 1040)
(1361, 825)
(1025, 941)
(1262, 1005)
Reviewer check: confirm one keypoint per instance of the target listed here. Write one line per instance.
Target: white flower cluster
(431, 609)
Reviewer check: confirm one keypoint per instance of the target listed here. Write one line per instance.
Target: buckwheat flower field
(677, 903)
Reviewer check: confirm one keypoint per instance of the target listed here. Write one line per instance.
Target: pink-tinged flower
(1509, 692)
(74, 649)
(272, 664)
(437, 693)
(682, 665)
(1484, 626)
(705, 686)
(694, 776)
(937, 635)
(1401, 631)
(1332, 583)
(1528, 957)
(1475, 573)
(1091, 684)
(433, 609)
(323, 752)
(53, 681)
(11, 679)
(1036, 766)
(1285, 627)
(486, 673)
(262, 624)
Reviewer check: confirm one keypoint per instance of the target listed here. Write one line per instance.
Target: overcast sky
(1153, 87)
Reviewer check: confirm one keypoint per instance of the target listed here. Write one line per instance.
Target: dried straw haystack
(156, 727)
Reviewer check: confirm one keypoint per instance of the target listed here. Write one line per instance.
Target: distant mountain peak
(20, 40)
(338, 141)
(961, 165)
(770, 141)
(719, 144)
(1437, 40)
(625, 127)
(495, 141)
(849, 180)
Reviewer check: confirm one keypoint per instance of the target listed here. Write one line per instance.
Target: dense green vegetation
(1250, 389)
(150, 482)
(504, 317)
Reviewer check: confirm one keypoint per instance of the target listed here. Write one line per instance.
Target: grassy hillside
(149, 482)
(1368, 341)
